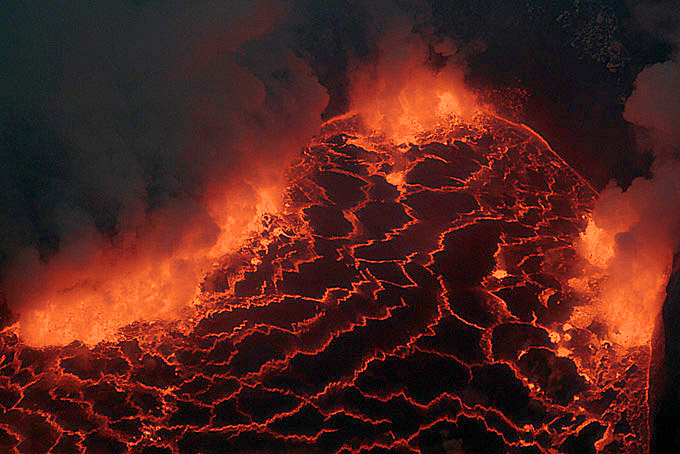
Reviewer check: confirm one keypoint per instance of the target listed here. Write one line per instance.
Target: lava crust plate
(409, 299)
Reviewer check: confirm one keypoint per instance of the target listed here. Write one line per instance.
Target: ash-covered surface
(407, 300)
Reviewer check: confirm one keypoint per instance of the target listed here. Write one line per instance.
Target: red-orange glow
(296, 307)
(413, 277)
(626, 288)
(396, 178)
(596, 245)
(500, 274)
(95, 286)
(235, 143)
(401, 96)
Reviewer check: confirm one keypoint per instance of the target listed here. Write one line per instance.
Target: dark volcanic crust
(374, 319)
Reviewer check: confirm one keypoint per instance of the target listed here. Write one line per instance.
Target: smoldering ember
(302, 226)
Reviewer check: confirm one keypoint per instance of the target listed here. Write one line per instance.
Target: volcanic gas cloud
(632, 233)
(184, 182)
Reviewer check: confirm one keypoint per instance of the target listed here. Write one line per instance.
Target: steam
(416, 81)
(635, 231)
(147, 141)
(169, 127)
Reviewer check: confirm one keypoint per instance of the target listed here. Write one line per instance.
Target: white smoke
(636, 230)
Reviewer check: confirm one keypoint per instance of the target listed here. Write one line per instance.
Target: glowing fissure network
(409, 298)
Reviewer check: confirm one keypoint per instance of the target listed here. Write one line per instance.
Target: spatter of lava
(408, 299)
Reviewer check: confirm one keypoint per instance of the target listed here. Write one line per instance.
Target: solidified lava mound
(408, 299)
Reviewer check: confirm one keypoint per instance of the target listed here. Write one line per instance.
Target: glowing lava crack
(408, 299)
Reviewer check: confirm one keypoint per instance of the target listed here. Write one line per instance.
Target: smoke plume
(635, 231)
(142, 143)
(416, 79)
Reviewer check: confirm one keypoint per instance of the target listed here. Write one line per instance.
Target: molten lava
(392, 305)
(413, 294)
